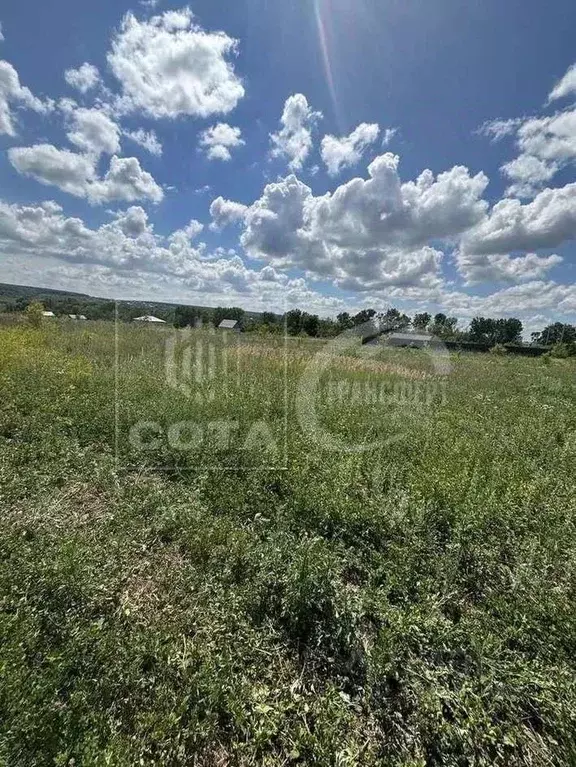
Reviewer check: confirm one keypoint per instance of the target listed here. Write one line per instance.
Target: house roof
(410, 337)
(48, 314)
(77, 316)
(228, 324)
(149, 318)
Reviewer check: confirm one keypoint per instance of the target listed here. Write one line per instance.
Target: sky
(325, 154)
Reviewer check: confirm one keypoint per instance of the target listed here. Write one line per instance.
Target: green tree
(393, 319)
(563, 349)
(328, 328)
(186, 316)
(509, 331)
(269, 318)
(421, 321)
(35, 313)
(345, 321)
(443, 326)
(555, 334)
(363, 316)
(495, 331)
(481, 330)
(310, 324)
(294, 322)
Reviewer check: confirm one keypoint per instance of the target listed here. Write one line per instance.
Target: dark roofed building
(414, 340)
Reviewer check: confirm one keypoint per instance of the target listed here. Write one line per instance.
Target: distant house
(413, 340)
(77, 316)
(48, 314)
(149, 318)
(230, 325)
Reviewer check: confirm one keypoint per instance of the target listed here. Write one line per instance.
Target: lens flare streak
(321, 14)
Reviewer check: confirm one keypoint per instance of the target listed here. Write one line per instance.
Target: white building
(48, 314)
(229, 325)
(149, 318)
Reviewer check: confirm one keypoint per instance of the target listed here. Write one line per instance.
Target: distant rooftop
(410, 336)
(149, 318)
(228, 324)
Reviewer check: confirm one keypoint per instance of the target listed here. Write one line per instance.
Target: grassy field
(192, 572)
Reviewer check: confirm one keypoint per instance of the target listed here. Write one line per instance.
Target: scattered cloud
(94, 132)
(2, 38)
(127, 255)
(376, 236)
(545, 222)
(339, 153)
(219, 140)
(504, 268)
(499, 129)
(146, 139)
(133, 222)
(225, 212)
(12, 93)
(192, 229)
(367, 233)
(294, 140)
(169, 66)
(76, 174)
(84, 79)
(566, 86)
(69, 171)
(536, 295)
(125, 180)
(389, 134)
(545, 144)
(528, 174)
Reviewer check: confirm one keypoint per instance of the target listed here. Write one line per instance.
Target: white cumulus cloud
(146, 139)
(368, 233)
(528, 174)
(84, 78)
(126, 256)
(545, 222)
(12, 93)
(294, 139)
(225, 212)
(566, 86)
(76, 174)
(170, 66)
(94, 132)
(545, 144)
(476, 269)
(69, 171)
(125, 180)
(339, 153)
(219, 140)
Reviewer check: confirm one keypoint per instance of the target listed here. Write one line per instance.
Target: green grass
(412, 604)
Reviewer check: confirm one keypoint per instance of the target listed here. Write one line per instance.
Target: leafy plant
(35, 313)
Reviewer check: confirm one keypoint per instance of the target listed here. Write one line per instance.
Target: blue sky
(284, 146)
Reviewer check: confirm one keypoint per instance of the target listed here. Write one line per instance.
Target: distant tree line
(483, 331)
